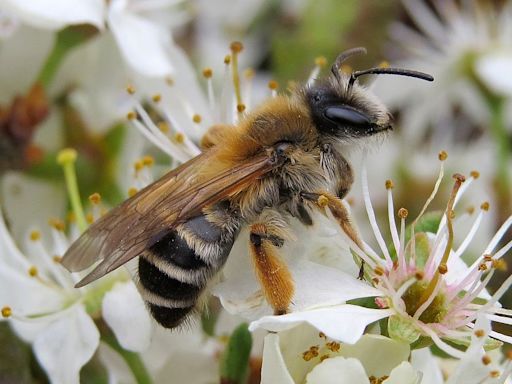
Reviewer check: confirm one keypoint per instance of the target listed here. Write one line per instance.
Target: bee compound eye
(343, 115)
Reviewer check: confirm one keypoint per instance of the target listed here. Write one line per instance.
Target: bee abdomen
(174, 271)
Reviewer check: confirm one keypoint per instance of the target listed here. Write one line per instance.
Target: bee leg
(325, 200)
(273, 274)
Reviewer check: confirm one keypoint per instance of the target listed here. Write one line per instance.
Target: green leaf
(403, 330)
(235, 361)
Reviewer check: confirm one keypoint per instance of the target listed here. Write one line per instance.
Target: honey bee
(284, 159)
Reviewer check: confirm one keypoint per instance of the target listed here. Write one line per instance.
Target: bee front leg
(323, 200)
(273, 274)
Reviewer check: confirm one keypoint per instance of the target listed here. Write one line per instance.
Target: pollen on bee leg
(322, 201)
(6, 312)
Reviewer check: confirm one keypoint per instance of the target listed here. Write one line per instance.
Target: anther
(459, 177)
(32, 271)
(443, 268)
(442, 156)
(470, 210)
(403, 213)
(240, 108)
(207, 73)
(163, 127)
(66, 156)
(486, 359)
(333, 346)
(89, 218)
(323, 357)
(179, 138)
(6, 312)
(148, 161)
(488, 257)
(57, 224)
(321, 61)
(495, 374)
(130, 89)
(236, 47)
(95, 198)
(197, 118)
(474, 174)
(249, 73)
(389, 184)
(500, 265)
(169, 81)
(227, 59)
(419, 275)
(485, 206)
(508, 354)
(273, 85)
(57, 259)
(322, 335)
(131, 115)
(375, 280)
(35, 235)
(379, 271)
(132, 191)
(322, 201)
(71, 217)
(384, 64)
(479, 333)
(156, 98)
(482, 267)
(138, 165)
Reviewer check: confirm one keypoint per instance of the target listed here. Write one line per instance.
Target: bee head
(342, 108)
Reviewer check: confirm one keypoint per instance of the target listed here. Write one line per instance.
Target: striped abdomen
(174, 271)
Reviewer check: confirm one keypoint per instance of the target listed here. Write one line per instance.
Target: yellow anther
(6, 312)
(169, 81)
(333, 346)
(32, 271)
(485, 206)
(459, 177)
(132, 191)
(508, 354)
(197, 118)
(163, 127)
(486, 359)
(443, 268)
(156, 98)
(236, 47)
(322, 201)
(379, 271)
(71, 217)
(323, 357)
(240, 108)
(375, 280)
(89, 218)
(322, 335)
(320, 61)
(148, 161)
(384, 64)
(227, 59)
(130, 89)
(138, 165)
(131, 115)
(389, 184)
(249, 73)
(179, 138)
(207, 72)
(95, 198)
(57, 259)
(470, 210)
(475, 174)
(403, 213)
(35, 235)
(482, 267)
(273, 85)
(66, 156)
(442, 156)
(57, 224)
(479, 333)
(494, 374)
(311, 353)
(419, 275)
(488, 257)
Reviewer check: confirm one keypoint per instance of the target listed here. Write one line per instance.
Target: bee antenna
(388, 71)
(343, 56)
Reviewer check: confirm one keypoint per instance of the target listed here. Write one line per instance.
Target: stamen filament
(236, 48)
(470, 235)
(66, 158)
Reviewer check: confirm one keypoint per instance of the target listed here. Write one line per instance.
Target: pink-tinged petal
(143, 44)
(66, 345)
(124, 311)
(56, 14)
(344, 323)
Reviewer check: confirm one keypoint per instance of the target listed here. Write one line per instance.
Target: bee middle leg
(276, 280)
(324, 200)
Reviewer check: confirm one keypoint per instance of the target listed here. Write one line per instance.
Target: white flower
(303, 355)
(466, 48)
(39, 301)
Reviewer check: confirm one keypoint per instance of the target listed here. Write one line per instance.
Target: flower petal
(491, 68)
(66, 345)
(338, 370)
(118, 370)
(274, 368)
(423, 361)
(143, 44)
(56, 14)
(403, 374)
(345, 323)
(124, 311)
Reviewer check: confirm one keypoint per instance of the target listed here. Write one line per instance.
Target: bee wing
(139, 222)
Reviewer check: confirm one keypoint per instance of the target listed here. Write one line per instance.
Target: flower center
(434, 313)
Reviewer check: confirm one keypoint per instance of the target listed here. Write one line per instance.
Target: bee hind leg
(324, 200)
(273, 274)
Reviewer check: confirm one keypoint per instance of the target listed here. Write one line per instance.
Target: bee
(283, 160)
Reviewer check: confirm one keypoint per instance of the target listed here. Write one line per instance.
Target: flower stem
(66, 158)
(132, 359)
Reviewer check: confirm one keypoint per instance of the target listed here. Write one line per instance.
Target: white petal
(143, 44)
(344, 322)
(403, 374)
(274, 369)
(56, 14)
(491, 69)
(338, 370)
(423, 361)
(118, 371)
(66, 345)
(124, 311)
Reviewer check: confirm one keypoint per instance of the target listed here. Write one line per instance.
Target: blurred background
(64, 70)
